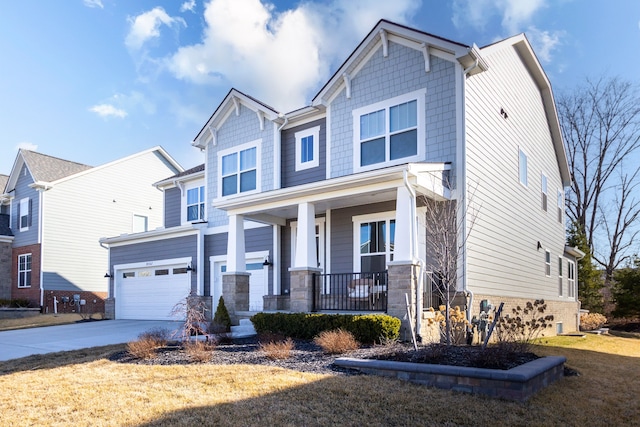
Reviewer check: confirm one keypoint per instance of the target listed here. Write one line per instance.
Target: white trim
(184, 199)
(547, 264)
(544, 192)
(327, 136)
(257, 144)
(156, 263)
(419, 96)
(314, 133)
(135, 215)
(149, 236)
(526, 158)
(321, 236)
(560, 277)
(248, 225)
(357, 220)
(30, 255)
(24, 200)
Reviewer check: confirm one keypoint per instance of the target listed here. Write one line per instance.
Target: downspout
(414, 246)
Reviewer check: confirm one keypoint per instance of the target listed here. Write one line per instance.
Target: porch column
(306, 240)
(405, 226)
(235, 245)
(403, 279)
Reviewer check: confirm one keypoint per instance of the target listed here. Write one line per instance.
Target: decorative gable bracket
(425, 52)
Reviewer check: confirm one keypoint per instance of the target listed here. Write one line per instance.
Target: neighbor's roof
(47, 168)
(193, 172)
(3, 182)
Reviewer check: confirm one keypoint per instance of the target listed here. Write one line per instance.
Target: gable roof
(522, 46)
(189, 174)
(3, 182)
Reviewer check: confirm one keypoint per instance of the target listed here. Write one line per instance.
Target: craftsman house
(52, 213)
(322, 208)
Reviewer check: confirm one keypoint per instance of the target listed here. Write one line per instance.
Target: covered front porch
(348, 244)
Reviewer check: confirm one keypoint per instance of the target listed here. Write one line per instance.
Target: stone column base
(301, 289)
(235, 290)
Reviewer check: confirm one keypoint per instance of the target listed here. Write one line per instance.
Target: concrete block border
(517, 384)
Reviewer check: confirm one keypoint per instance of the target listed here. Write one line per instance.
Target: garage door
(151, 293)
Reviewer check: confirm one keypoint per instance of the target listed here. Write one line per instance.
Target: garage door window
(181, 270)
(128, 274)
(163, 272)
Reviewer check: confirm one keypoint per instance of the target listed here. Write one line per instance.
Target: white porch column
(306, 240)
(405, 226)
(235, 245)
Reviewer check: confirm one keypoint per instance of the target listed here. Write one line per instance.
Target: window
(162, 272)
(522, 168)
(571, 279)
(389, 132)
(24, 214)
(195, 204)
(307, 148)
(560, 206)
(547, 263)
(375, 240)
(543, 189)
(560, 276)
(128, 274)
(139, 223)
(24, 271)
(239, 169)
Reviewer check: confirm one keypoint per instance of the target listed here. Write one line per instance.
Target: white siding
(98, 203)
(503, 254)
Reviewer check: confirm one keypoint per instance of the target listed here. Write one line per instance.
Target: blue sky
(95, 80)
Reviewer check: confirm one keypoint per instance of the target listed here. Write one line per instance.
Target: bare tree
(448, 225)
(601, 130)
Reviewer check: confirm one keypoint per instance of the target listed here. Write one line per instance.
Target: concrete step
(244, 329)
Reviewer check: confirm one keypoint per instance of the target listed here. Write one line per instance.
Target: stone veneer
(235, 289)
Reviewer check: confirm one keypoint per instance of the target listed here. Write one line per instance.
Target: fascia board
(170, 183)
(148, 236)
(15, 172)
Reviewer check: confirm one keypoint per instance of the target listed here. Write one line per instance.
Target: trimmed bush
(367, 328)
(221, 320)
(592, 321)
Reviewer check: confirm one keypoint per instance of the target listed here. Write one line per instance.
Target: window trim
(24, 206)
(560, 277)
(20, 271)
(544, 190)
(313, 132)
(560, 202)
(418, 96)
(203, 202)
(257, 144)
(547, 262)
(523, 168)
(358, 220)
(133, 223)
(571, 279)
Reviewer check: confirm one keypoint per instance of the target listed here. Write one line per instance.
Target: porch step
(244, 329)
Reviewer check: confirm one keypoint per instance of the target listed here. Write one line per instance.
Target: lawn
(85, 388)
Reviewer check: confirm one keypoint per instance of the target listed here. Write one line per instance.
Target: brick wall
(94, 302)
(31, 293)
(6, 265)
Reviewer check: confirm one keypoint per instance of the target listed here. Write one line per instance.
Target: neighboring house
(320, 209)
(57, 210)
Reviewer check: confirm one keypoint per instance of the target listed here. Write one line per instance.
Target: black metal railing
(350, 291)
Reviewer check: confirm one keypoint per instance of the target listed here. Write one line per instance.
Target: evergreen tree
(589, 277)
(626, 290)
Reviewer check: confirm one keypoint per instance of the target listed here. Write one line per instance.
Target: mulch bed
(309, 357)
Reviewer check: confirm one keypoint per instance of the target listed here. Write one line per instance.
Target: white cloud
(146, 26)
(108, 110)
(27, 146)
(189, 5)
(515, 14)
(93, 3)
(544, 42)
(280, 57)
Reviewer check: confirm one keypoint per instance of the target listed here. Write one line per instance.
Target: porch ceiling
(275, 207)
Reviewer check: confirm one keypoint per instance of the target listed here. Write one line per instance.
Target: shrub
(277, 349)
(200, 351)
(457, 320)
(592, 321)
(221, 322)
(148, 342)
(15, 303)
(336, 342)
(516, 332)
(193, 310)
(365, 328)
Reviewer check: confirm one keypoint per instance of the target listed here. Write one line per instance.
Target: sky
(95, 80)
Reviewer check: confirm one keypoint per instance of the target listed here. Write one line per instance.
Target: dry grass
(277, 350)
(199, 351)
(41, 320)
(336, 342)
(85, 388)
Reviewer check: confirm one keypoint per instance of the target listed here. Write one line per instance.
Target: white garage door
(151, 293)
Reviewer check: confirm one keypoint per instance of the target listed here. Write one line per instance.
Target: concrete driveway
(24, 342)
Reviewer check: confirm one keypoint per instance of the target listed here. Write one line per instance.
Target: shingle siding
(22, 190)
(291, 177)
(172, 207)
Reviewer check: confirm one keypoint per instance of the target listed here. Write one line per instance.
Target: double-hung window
(24, 214)
(571, 279)
(375, 240)
(547, 263)
(544, 191)
(389, 132)
(560, 206)
(522, 168)
(307, 148)
(24, 271)
(195, 204)
(560, 293)
(239, 170)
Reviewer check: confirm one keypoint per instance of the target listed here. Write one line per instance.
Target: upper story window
(24, 271)
(560, 276)
(571, 279)
(195, 204)
(560, 206)
(522, 168)
(239, 170)
(140, 223)
(389, 132)
(308, 148)
(543, 189)
(547, 263)
(24, 214)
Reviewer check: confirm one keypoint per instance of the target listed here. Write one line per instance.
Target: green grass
(85, 388)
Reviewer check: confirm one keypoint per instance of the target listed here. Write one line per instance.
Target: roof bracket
(214, 135)
(425, 52)
(347, 82)
(260, 115)
(236, 105)
(385, 42)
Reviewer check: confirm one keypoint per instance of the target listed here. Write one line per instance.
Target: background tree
(601, 128)
(626, 291)
(589, 278)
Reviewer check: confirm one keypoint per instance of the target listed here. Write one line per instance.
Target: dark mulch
(309, 357)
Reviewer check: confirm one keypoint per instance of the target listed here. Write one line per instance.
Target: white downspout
(414, 253)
